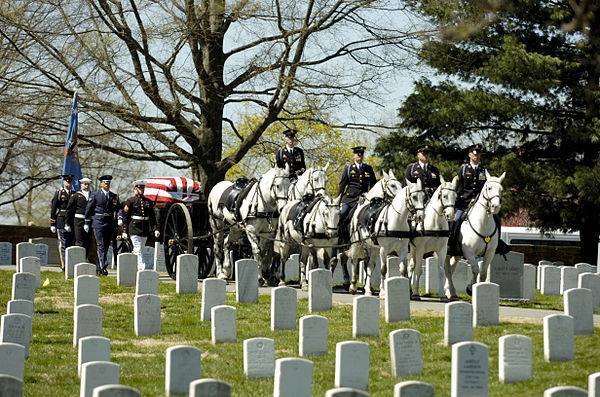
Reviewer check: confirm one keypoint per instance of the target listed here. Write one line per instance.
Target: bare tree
(159, 80)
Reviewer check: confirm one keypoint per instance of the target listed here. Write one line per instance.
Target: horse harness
(434, 233)
(486, 239)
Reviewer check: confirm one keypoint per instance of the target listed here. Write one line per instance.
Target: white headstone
(31, 264)
(486, 309)
(594, 385)
(346, 392)
(568, 278)
(148, 256)
(246, 281)
(461, 277)
(10, 386)
(559, 340)
(223, 324)
(293, 377)
(283, 308)
(435, 277)
(365, 316)
(413, 388)
(20, 306)
(397, 299)
(578, 303)
(214, 293)
(313, 335)
(514, 358)
(87, 290)
(405, 352)
(146, 315)
(159, 258)
(183, 367)
(528, 281)
(393, 266)
(41, 251)
(87, 322)
(538, 276)
(23, 286)
(458, 322)
(591, 281)
(292, 267)
(585, 267)
(98, 373)
(12, 359)
(550, 281)
(5, 253)
(92, 348)
(259, 358)
(23, 250)
(73, 256)
(85, 269)
(507, 272)
(146, 282)
(126, 269)
(319, 290)
(565, 391)
(469, 376)
(352, 365)
(115, 391)
(210, 387)
(16, 328)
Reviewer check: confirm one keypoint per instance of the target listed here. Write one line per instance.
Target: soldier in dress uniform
(140, 221)
(101, 213)
(422, 169)
(76, 213)
(291, 155)
(58, 217)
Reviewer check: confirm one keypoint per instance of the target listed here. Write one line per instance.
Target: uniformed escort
(76, 214)
(422, 169)
(140, 221)
(102, 212)
(291, 155)
(357, 178)
(58, 217)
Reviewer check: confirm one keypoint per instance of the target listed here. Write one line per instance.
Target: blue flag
(71, 164)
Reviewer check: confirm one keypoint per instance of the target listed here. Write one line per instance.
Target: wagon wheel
(178, 236)
(205, 257)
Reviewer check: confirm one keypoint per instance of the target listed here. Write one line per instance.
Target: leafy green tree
(522, 78)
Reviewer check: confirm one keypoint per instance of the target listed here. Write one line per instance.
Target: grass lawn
(51, 369)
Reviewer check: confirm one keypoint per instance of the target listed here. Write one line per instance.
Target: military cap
(67, 177)
(359, 149)
(423, 149)
(139, 183)
(290, 133)
(105, 178)
(85, 180)
(477, 148)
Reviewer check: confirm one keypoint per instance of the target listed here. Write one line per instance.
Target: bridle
(331, 206)
(311, 181)
(487, 199)
(441, 199)
(410, 205)
(385, 182)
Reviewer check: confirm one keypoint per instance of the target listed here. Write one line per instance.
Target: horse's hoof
(368, 293)
(261, 282)
(453, 298)
(352, 289)
(281, 283)
(304, 287)
(222, 276)
(415, 297)
(469, 290)
(444, 299)
(346, 286)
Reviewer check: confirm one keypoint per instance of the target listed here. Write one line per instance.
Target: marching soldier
(422, 169)
(58, 216)
(140, 221)
(291, 155)
(101, 212)
(76, 214)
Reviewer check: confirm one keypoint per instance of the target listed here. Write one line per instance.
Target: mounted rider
(422, 169)
(291, 155)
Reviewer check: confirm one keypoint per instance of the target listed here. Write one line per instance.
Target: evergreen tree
(522, 78)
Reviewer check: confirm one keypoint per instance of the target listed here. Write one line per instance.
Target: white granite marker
(31, 264)
(187, 274)
(41, 251)
(283, 308)
(568, 278)
(591, 281)
(469, 370)
(413, 388)
(293, 377)
(397, 299)
(210, 387)
(146, 315)
(393, 266)
(214, 293)
(550, 280)
(352, 365)
(92, 348)
(486, 301)
(115, 391)
(10, 386)
(514, 358)
(20, 306)
(126, 269)
(223, 324)
(84, 269)
(23, 286)
(346, 392)
(594, 385)
(183, 367)
(292, 267)
(529, 281)
(405, 352)
(458, 322)
(146, 282)
(320, 284)
(23, 250)
(98, 373)
(246, 281)
(12, 359)
(16, 328)
(559, 340)
(313, 335)
(159, 258)
(5, 253)
(578, 303)
(365, 316)
(87, 321)
(259, 358)
(565, 391)
(73, 256)
(87, 290)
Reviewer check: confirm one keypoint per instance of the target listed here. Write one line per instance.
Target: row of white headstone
(24, 249)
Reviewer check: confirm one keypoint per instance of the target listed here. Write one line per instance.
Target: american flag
(172, 189)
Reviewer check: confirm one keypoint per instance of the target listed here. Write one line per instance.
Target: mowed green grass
(51, 369)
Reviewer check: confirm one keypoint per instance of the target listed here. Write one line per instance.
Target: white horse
(320, 231)
(438, 211)
(386, 188)
(391, 233)
(267, 196)
(479, 234)
(311, 181)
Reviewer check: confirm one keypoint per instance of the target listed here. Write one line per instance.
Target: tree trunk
(590, 232)
(209, 176)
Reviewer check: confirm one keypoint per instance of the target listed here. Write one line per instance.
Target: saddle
(367, 216)
(300, 209)
(234, 194)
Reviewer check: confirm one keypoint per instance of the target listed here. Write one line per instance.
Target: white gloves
(86, 228)
(67, 228)
(124, 236)
(120, 222)
(53, 229)
(156, 234)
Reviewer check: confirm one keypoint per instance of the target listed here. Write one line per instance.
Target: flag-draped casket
(173, 189)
